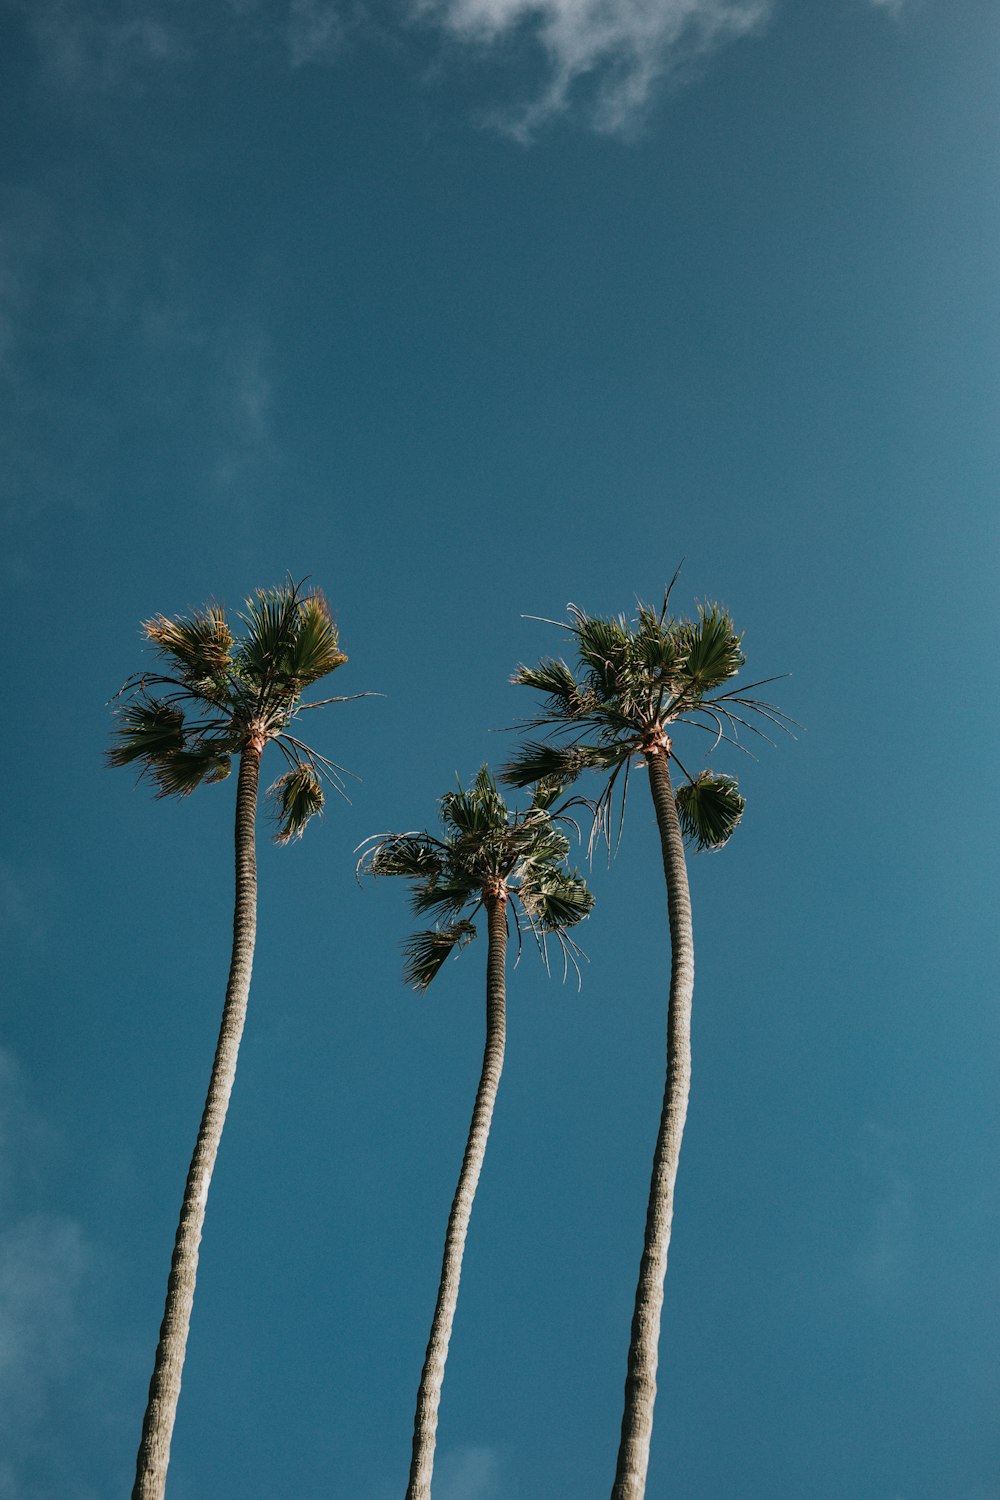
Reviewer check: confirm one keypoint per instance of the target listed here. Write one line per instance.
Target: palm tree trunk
(165, 1386)
(432, 1375)
(640, 1383)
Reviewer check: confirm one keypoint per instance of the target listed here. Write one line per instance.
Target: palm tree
(635, 682)
(218, 698)
(488, 859)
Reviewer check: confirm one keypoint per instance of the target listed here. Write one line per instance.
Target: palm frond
(315, 649)
(415, 856)
(546, 763)
(201, 645)
(147, 729)
(565, 698)
(555, 898)
(445, 897)
(709, 809)
(603, 644)
(181, 773)
(271, 616)
(426, 952)
(477, 810)
(297, 796)
(710, 649)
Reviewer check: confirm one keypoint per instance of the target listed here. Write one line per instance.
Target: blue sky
(467, 310)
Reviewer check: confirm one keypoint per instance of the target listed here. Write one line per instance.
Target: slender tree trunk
(432, 1376)
(165, 1386)
(640, 1383)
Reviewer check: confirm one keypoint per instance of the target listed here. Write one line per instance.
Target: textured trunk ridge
(640, 1383)
(165, 1386)
(432, 1376)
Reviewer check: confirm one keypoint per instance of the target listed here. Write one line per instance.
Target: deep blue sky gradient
(257, 319)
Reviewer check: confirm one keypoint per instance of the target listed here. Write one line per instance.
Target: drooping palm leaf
(180, 774)
(709, 809)
(556, 898)
(298, 796)
(147, 730)
(426, 952)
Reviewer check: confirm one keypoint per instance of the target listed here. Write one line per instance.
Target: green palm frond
(445, 897)
(201, 646)
(709, 809)
(477, 810)
(181, 773)
(541, 761)
(603, 644)
(546, 763)
(565, 698)
(556, 898)
(411, 855)
(657, 645)
(264, 654)
(710, 649)
(545, 792)
(147, 730)
(297, 796)
(426, 952)
(315, 649)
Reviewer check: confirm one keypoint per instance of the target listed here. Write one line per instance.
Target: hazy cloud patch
(883, 1259)
(611, 52)
(43, 1261)
(98, 47)
(315, 31)
(468, 1473)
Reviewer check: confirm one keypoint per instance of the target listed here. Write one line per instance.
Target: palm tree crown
(635, 681)
(220, 695)
(485, 851)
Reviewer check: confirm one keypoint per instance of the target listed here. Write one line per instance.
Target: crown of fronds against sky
(219, 693)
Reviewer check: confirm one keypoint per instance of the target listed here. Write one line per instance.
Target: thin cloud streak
(615, 51)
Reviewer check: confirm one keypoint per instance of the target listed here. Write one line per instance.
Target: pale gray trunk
(432, 1376)
(640, 1383)
(165, 1386)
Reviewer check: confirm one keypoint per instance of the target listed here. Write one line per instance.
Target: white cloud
(614, 51)
(894, 7)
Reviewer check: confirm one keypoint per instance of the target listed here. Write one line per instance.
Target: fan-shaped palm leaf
(201, 646)
(709, 809)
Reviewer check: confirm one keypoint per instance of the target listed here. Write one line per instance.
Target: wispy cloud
(99, 47)
(315, 31)
(894, 7)
(609, 54)
(602, 58)
(883, 1259)
(43, 1259)
(467, 1473)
